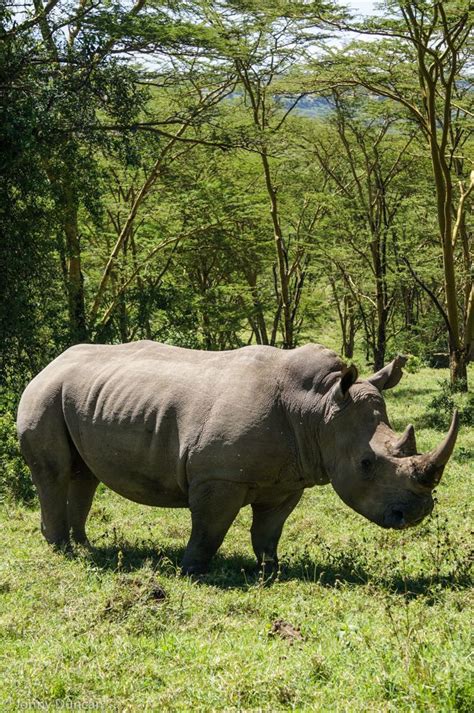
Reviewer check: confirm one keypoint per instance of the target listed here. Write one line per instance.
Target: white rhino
(215, 431)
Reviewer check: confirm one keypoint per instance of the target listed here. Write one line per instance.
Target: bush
(441, 407)
(413, 364)
(15, 478)
(464, 455)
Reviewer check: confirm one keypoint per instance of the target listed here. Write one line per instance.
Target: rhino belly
(131, 462)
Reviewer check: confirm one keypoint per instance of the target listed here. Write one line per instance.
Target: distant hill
(310, 106)
(307, 106)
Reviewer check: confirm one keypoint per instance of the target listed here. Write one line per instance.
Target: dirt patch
(286, 631)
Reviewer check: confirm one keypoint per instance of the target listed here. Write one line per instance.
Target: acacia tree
(422, 64)
(367, 163)
(263, 42)
(28, 281)
(86, 94)
(80, 80)
(166, 148)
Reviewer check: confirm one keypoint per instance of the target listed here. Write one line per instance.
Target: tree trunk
(380, 344)
(458, 370)
(72, 264)
(444, 202)
(76, 309)
(75, 279)
(282, 257)
(382, 311)
(350, 336)
(258, 318)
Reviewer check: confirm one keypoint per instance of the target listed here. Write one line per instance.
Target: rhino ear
(349, 377)
(390, 375)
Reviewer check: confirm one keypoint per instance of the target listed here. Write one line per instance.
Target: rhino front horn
(430, 466)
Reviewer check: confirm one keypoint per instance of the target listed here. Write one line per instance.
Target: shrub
(15, 478)
(413, 364)
(441, 407)
(464, 455)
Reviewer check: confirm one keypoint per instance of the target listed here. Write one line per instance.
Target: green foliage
(213, 90)
(464, 455)
(30, 305)
(441, 406)
(413, 364)
(15, 478)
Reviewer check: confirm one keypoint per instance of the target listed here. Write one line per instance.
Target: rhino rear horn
(406, 444)
(429, 467)
(390, 375)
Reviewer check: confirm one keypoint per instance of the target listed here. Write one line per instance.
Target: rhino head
(377, 473)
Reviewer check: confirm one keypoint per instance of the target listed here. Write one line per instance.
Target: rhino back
(150, 412)
(214, 414)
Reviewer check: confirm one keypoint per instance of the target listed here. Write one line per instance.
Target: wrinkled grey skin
(215, 431)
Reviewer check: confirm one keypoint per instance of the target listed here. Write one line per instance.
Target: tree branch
(433, 297)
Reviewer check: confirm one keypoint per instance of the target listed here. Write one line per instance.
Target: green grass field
(378, 620)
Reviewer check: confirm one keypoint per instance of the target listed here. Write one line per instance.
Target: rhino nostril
(398, 518)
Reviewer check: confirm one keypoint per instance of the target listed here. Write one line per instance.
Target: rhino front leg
(214, 507)
(267, 524)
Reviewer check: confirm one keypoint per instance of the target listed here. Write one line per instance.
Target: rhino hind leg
(47, 450)
(81, 491)
(267, 525)
(214, 507)
(51, 479)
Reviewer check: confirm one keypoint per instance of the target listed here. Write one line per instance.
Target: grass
(378, 621)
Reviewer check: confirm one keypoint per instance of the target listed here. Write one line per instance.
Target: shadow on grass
(345, 569)
(427, 420)
(410, 393)
(240, 572)
(422, 421)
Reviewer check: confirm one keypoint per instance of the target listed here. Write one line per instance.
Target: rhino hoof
(62, 546)
(268, 568)
(194, 570)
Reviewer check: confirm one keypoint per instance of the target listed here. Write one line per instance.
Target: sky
(364, 7)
